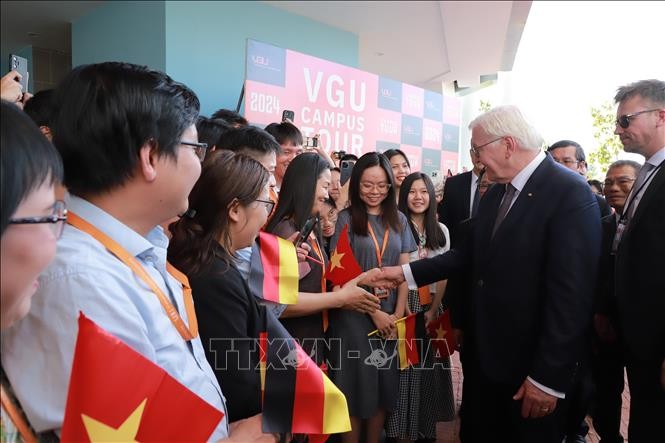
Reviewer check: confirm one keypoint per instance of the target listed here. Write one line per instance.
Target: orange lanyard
(17, 418)
(131, 261)
(316, 248)
(386, 236)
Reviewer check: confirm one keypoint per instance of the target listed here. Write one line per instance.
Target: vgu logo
(385, 92)
(260, 60)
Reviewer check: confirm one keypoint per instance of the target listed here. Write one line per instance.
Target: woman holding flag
(425, 389)
(365, 369)
(302, 196)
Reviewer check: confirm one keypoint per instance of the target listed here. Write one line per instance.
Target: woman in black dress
(228, 206)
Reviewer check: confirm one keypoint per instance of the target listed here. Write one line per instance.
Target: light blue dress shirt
(37, 351)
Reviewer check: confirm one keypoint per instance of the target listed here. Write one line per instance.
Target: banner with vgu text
(351, 110)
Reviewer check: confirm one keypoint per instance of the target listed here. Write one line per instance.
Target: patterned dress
(425, 389)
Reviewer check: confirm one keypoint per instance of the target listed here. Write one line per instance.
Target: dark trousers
(608, 377)
(489, 413)
(647, 401)
(579, 401)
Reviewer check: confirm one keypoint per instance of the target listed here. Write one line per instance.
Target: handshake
(385, 278)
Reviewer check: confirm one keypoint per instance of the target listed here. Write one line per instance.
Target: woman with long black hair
(425, 389)
(303, 195)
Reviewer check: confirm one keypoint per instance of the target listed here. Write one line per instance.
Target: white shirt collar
(519, 181)
(657, 157)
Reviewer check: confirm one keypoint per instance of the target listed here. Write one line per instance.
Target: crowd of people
(120, 201)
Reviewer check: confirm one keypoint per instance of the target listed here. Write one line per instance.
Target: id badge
(381, 293)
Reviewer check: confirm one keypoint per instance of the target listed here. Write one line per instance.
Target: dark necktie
(476, 199)
(505, 205)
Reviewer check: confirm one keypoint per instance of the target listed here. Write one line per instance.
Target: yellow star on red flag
(126, 432)
(336, 260)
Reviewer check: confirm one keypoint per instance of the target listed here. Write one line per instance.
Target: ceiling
(50, 20)
(426, 43)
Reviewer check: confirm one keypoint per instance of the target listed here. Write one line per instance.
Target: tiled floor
(448, 432)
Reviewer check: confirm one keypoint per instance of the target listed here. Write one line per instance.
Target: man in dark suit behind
(571, 155)
(533, 254)
(460, 198)
(639, 245)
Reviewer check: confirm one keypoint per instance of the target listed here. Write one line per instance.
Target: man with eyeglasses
(607, 358)
(461, 196)
(131, 156)
(639, 248)
(570, 154)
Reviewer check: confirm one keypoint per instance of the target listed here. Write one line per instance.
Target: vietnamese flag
(343, 265)
(298, 397)
(442, 337)
(273, 271)
(410, 336)
(116, 394)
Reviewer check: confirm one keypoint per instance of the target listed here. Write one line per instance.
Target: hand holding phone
(306, 230)
(288, 115)
(20, 65)
(345, 166)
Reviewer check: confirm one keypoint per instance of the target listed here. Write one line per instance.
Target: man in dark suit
(533, 254)
(607, 358)
(460, 198)
(571, 155)
(639, 245)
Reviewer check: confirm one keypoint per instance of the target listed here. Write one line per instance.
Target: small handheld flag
(116, 394)
(343, 265)
(273, 274)
(442, 338)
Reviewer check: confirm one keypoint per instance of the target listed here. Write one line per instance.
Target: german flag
(273, 274)
(298, 397)
(116, 394)
(410, 338)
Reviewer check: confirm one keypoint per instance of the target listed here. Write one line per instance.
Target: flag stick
(314, 260)
(376, 331)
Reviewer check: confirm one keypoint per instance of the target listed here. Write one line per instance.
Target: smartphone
(345, 166)
(306, 230)
(20, 64)
(288, 115)
(311, 143)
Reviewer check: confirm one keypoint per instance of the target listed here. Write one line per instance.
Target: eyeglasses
(475, 149)
(199, 148)
(56, 219)
(269, 205)
(624, 120)
(622, 182)
(566, 161)
(368, 187)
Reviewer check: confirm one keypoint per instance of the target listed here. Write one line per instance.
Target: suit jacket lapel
(524, 201)
(649, 194)
(466, 201)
